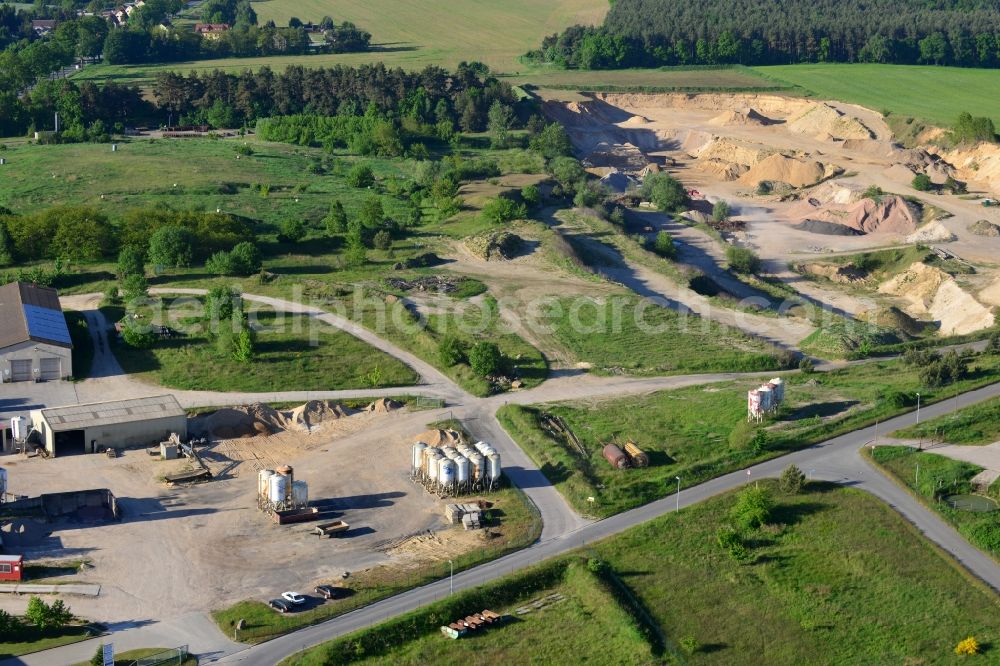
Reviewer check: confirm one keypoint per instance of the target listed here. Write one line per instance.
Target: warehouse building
(117, 424)
(34, 338)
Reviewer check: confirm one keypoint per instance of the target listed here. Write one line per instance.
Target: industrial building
(117, 424)
(34, 338)
(11, 567)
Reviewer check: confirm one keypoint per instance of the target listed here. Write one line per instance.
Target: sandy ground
(183, 549)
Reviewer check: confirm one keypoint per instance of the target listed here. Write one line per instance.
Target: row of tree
(642, 33)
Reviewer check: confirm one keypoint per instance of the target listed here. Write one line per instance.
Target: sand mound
(984, 228)
(635, 121)
(825, 228)
(980, 164)
(383, 406)
(991, 295)
(731, 150)
(722, 169)
(795, 172)
(894, 319)
(889, 214)
(740, 117)
(935, 232)
(315, 412)
(439, 437)
(495, 245)
(834, 192)
(824, 119)
(241, 421)
(930, 291)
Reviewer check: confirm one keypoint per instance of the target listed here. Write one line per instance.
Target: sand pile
(930, 291)
(723, 170)
(742, 117)
(889, 214)
(495, 245)
(835, 192)
(980, 164)
(984, 228)
(733, 151)
(383, 406)
(635, 121)
(795, 172)
(241, 421)
(315, 412)
(935, 232)
(823, 119)
(991, 294)
(439, 437)
(893, 319)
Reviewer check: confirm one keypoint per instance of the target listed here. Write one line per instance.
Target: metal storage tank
(446, 472)
(482, 445)
(300, 493)
(277, 488)
(477, 466)
(449, 452)
(3, 482)
(766, 397)
(779, 388)
(417, 459)
(429, 452)
(615, 456)
(462, 469)
(493, 467)
(263, 478)
(433, 465)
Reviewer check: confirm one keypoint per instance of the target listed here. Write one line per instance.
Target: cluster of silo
(765, 399)
(456, 470)
(277, 490)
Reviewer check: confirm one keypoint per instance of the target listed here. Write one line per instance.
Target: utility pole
(918, 409)
(678, 494)
(451, 579)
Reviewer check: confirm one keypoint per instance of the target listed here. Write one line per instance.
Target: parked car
(329, 591)
(293, 598)
(279, 605)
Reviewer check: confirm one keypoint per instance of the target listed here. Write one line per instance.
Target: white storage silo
(493, 467)
(263, 481)
(277, 488)
(416, 462)
(446, 472)
(3, 482)
(449, 452)
(429, 453)
(434, 464)
(477, 466)
(482, 447)
(766, 398)
(779, 389)
(462, 470)
(300, 493)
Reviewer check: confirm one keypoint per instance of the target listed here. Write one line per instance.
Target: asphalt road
(838, 460)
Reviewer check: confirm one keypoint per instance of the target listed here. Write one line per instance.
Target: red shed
(11, 567)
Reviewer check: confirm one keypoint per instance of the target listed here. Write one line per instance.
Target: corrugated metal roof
(77, 417)
(20, 304)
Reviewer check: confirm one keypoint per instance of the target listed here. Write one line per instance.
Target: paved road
(838, 460)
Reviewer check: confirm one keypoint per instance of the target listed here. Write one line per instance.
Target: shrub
(134, 286)
(486, 359)
(969, 646)
(807, 366)
(753, 507)
(502, 209)
(720, 211)
(922, 182)
(360, 175)
(45, 616)
(451, 351)
(690, 644)
(665, 191)
(531, 195)
(336, 219)
(292, 231)
(130, 262)
(382, 240)
(171, 246)
(663, 245)
(137, 336)
(372, 213)
(732, 542)
(245, 258)
(791, 480)
(742, 260)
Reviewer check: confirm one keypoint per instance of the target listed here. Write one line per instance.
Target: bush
(732, 542)
(720, 211)
(130, 262)
(451, 351)
(531, 195)
(969, 646)
(382, 240)
(485, 359)
(292, 231)
(372, 213)
(665, 191)
(134, 286)
(360, 175)
(741, 260)
(336, 219)
(663, 245)
(501, 209)
(791, 480)
(753, 507)
(807, 366)
(46, 616)
(137, 336)
(171, 246)
(690, 644)
(922, 182)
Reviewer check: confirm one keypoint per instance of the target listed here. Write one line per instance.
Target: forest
(652, 33)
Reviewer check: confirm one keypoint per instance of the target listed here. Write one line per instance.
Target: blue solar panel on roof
(46, 324)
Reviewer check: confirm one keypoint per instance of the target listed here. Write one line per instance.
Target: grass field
(933, 478)
(45, 640)
(515, 524)
(701, 432)
(935, 94)
(295, 356)
(973, 425)
(829, 581)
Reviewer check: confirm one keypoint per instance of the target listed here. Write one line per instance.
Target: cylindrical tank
(3, 482)
(753, 401)
(637, 455)
(449, 452)
(300, 493)
(615, 456)
(429, 453)
(418, 456)
(779, 388)
(766, 397)
(462, 469)
(433, 465)
(277, 488)
(477, 466)
(493, 467)
(482, 447)
(263, 477)
(446, 472)
(286, 470)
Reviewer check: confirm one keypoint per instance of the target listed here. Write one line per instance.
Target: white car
(293, 598)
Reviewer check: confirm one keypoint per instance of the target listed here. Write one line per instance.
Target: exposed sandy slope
(929, 291)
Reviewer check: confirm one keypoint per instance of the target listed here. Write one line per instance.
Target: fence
(175, 655)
